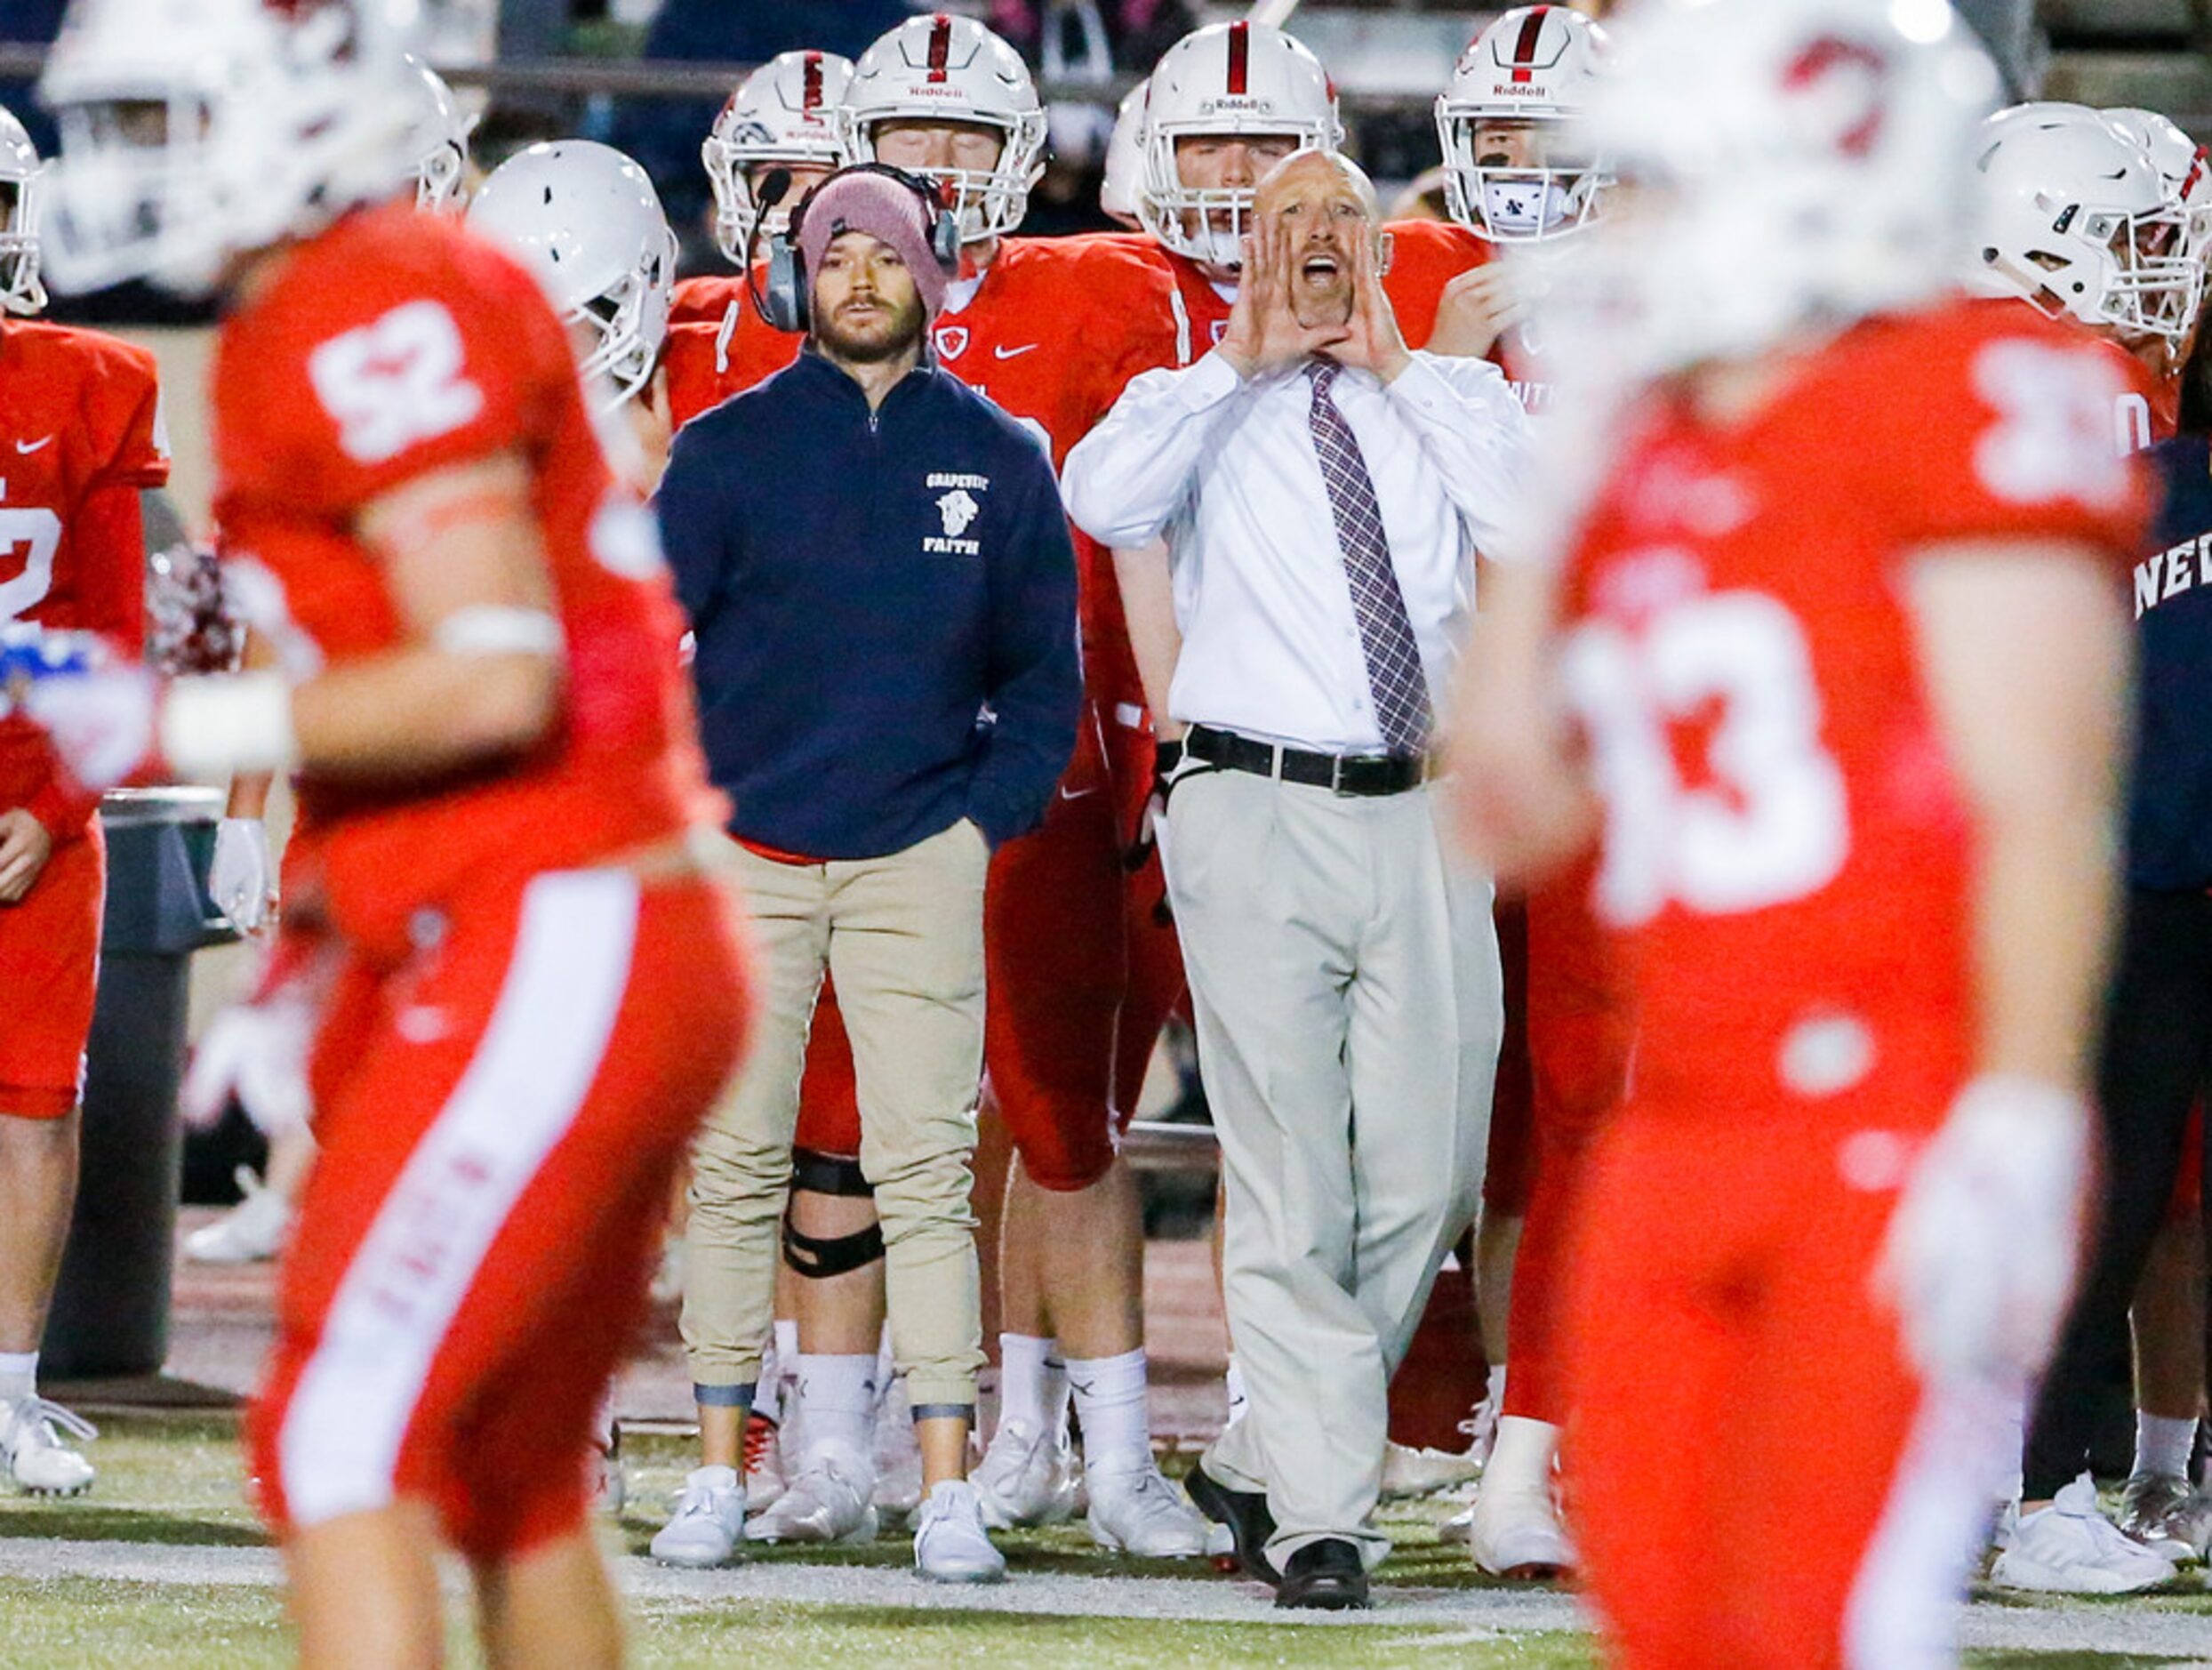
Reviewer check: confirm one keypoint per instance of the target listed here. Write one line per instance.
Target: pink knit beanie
(880, 206)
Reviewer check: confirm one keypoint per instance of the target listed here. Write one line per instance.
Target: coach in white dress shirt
(1323, 491)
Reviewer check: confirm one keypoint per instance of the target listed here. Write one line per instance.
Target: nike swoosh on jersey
(28, 447)
(999, 352)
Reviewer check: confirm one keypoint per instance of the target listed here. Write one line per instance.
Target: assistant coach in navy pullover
(882, 588)
(883, 602)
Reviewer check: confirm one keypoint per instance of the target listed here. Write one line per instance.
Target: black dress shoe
(1243, 1512)
(1324, 1577)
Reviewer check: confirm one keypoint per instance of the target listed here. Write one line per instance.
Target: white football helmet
(1121, 191)
(940, 68)
(1242, 78)
(21, 292)
(2076, 219)
(1531, 72)
(2182, 163)
(1786, 167)
(195, 130)
(587, 221)
(438, 140)
(784, 113)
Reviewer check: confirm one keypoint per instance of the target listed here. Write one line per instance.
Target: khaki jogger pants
(902, 937)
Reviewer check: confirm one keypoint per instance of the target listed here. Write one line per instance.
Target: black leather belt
(1340, 774)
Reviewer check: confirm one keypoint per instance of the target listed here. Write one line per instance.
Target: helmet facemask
(137, 178)
(987, 203)
(1521, 178)
(21, 291)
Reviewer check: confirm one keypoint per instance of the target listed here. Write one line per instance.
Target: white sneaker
(1517, 1534)
(35, 1457)
(763, 1462)
(951, 1546)
(2070, 1548)
(1028, 1478)
(708, 1521)
(249, 1232)
(1458, 1529)
(1407, 1472)
(825, 1501)
(898, 1453)
(1137, 1512)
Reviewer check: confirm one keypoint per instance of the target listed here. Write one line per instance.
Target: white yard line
(1469, 1616)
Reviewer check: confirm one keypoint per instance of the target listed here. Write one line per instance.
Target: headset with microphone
(785, 304)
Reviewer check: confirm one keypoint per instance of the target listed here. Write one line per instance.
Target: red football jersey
(85, 411)
(1425, 256)
(719, 345)
(1052, 333)
(391, 346)
(1785, 854)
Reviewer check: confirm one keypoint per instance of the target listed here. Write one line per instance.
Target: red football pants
(1581, 1032)
(1755, 1478)
(1052, 948)
(500, 1121)
(49, 968)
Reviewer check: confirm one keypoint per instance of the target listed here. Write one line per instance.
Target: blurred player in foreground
(528, 992)
(1851, 670)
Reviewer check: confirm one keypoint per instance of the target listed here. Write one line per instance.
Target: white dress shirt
(1227, 470)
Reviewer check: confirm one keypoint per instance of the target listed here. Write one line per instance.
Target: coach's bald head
(1324, 203)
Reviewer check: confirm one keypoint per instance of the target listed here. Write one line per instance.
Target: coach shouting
(1324, 491)
(879, 572)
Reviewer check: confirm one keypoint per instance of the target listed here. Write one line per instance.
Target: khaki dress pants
(1345, 976)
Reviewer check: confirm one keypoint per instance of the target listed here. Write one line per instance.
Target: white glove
(102, 722)
(1985, 1245)
(240, 879)
(257, 1051)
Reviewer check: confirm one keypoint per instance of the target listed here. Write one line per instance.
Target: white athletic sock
(838, 1396)
(1493, 1388)
(18, 1375)
(887, 1359)
(1110, 1401)
(2162, 1443)
(787, 1344)
(1032, 1383)
(1520, 1459)
(1233, 1383)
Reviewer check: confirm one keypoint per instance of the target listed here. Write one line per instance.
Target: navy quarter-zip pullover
(884, 609)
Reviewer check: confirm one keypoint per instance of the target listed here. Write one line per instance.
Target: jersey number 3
(1768, 822)
(395, 382)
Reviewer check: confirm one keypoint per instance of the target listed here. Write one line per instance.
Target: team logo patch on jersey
(952, 340)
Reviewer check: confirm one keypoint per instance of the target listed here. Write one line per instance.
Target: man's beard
(880, 342)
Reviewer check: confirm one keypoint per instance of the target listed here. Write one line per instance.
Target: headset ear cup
(944, 239)
(785, 304)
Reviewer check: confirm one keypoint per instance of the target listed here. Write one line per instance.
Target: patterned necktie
(1386, 631)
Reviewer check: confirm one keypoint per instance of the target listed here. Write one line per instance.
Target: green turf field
(165, 1565)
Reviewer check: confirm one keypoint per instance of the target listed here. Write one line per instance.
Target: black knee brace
(818, 1257)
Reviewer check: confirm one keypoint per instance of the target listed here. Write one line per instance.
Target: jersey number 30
(395, 382)
(1768, 822)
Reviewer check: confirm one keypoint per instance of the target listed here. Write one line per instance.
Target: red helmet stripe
(940, 45)
(1524, 48)
(1239, 57)
(810, 82)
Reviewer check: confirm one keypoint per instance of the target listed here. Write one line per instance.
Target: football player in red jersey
(2082, 225)
(1517, 182)
(1853, 743)
(780, 120)
(536, 992)
(1051, 330)
(87, 418)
